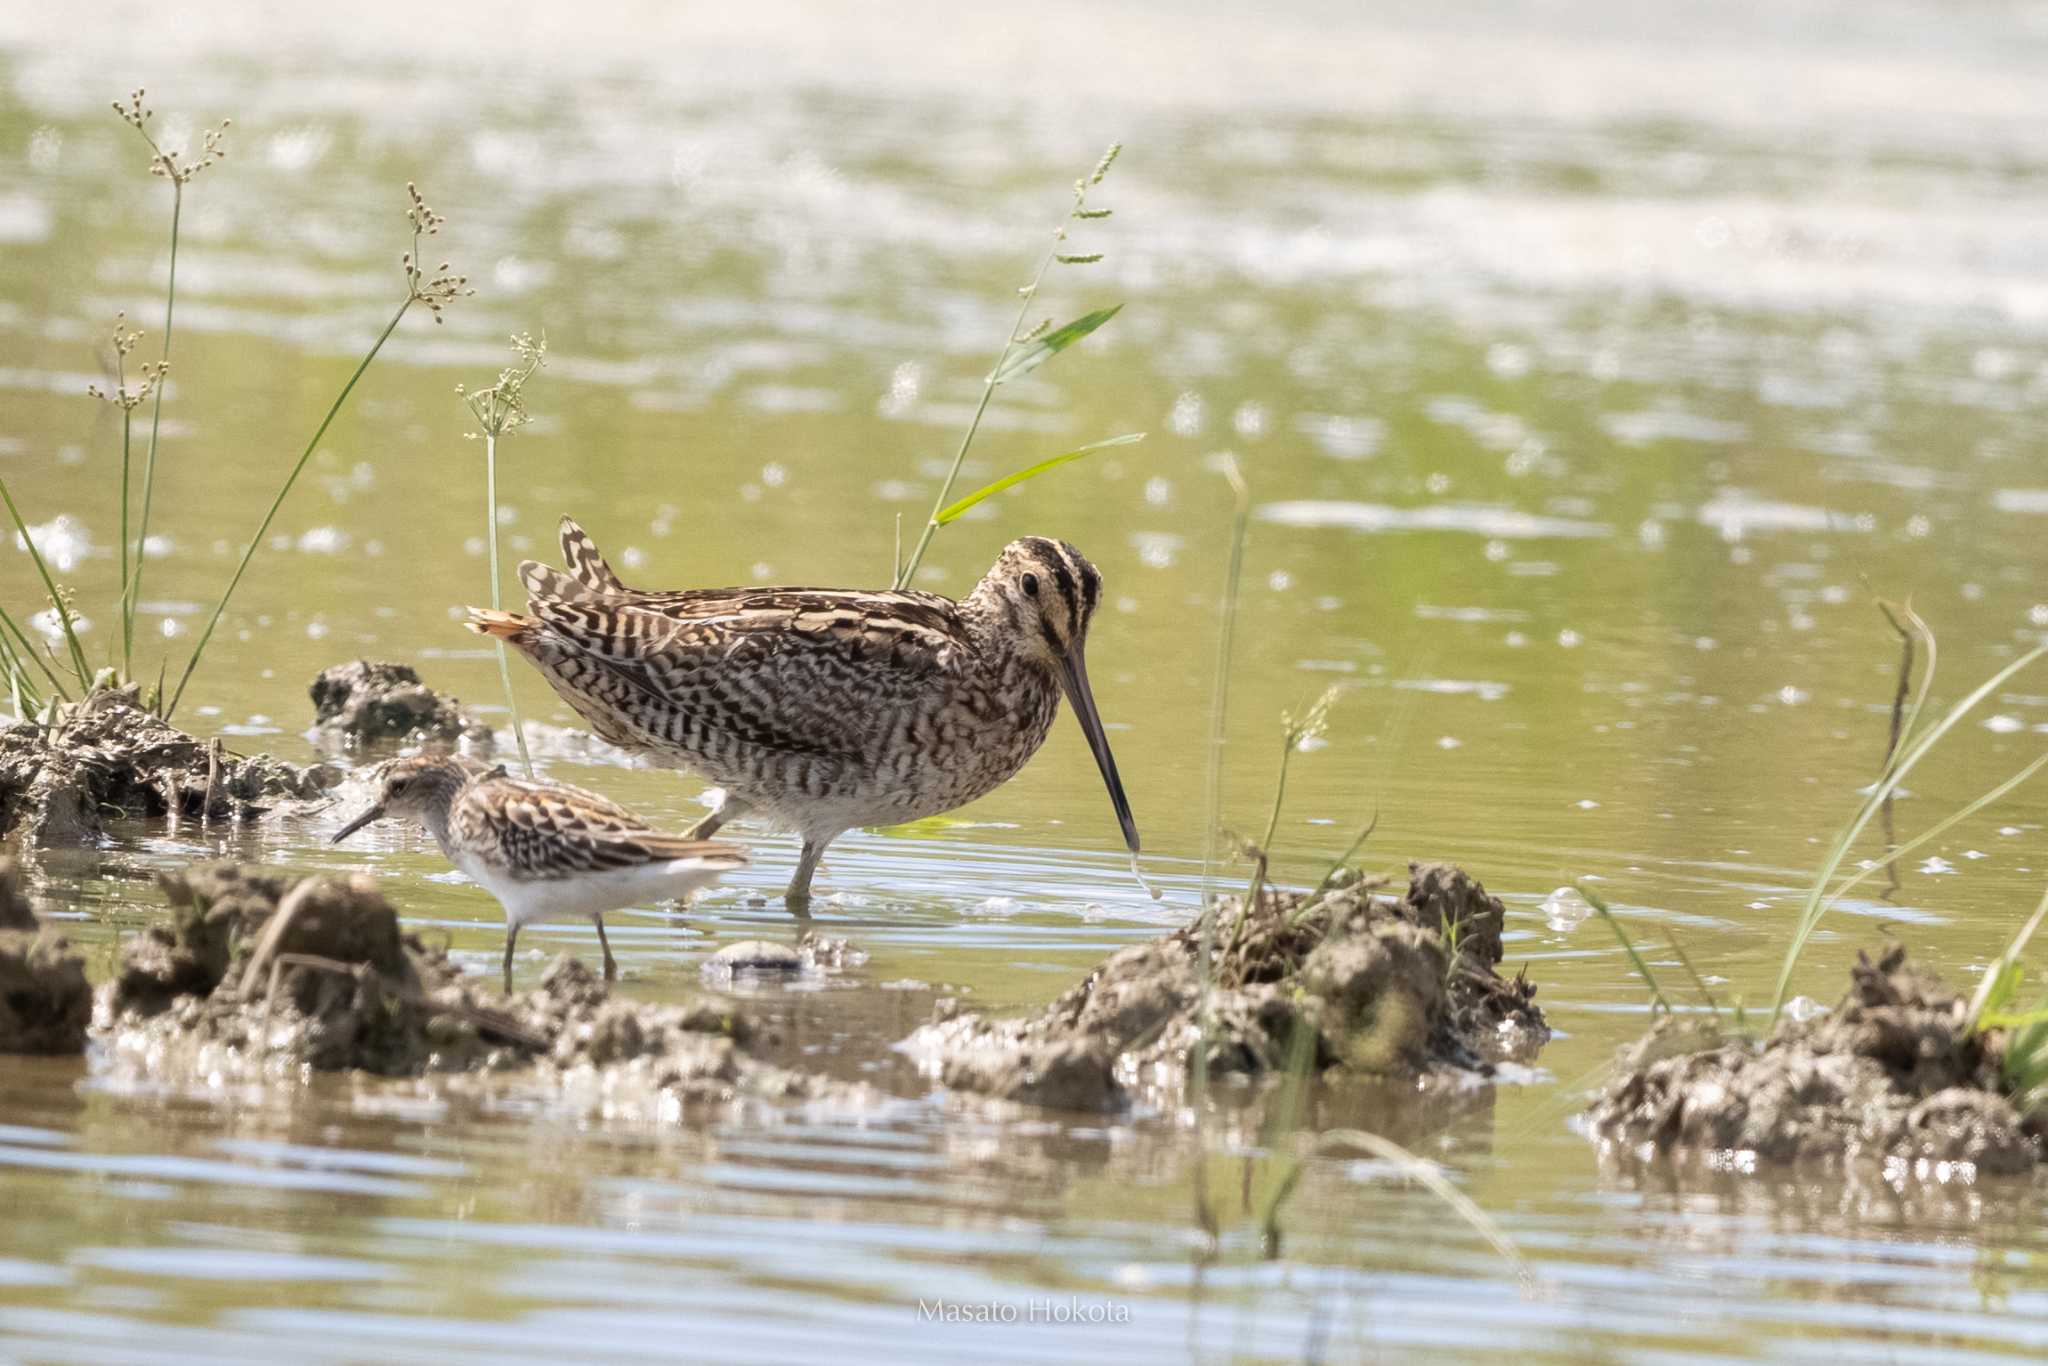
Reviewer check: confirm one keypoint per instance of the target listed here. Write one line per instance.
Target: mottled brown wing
(799, 670)
(548, 831)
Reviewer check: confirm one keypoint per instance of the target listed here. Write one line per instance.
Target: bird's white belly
(590, 894)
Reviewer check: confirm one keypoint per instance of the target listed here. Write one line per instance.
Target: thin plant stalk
(127, 616)
(1433, 1180)
(56, 598)
(1013, 340)
(491, 539)
(1628, 947)
(2004, 963)
(256, 542)
(1937, 830)
(988, 393)
(1902, 763)
(1219, 706)
(26, 648)
(132, 586)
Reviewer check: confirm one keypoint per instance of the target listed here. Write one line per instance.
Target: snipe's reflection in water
(1584, 367)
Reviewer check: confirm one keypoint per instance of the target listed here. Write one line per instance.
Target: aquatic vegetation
(1372, 978)
(433, 291)
(500, 410)
(1024, 350)
(1915, 746)
(1894, 1078)
(180, 172)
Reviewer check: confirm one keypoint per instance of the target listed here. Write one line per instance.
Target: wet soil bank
(1347, 979)
(107, 754)
(45, 1003)
(260, 975)
(60, 778)
(367, 702)
(1892, 1077)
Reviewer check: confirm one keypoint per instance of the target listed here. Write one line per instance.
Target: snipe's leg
(611, 964)
(511, 938)
(732, 810)
(798, 897)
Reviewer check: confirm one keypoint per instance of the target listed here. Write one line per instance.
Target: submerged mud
(45, 1003)
(1893, 1077)
(59, 779)
(261, 976)
(366, 702)
(1345, 979)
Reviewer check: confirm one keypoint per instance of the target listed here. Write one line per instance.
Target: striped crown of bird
(823, 710)
(546, 851)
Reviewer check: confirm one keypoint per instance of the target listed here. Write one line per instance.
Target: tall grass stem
(256, 542)
(56, 598)
(132, 585)
(491, 537)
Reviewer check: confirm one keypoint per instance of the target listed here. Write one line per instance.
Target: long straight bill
(1074, 678)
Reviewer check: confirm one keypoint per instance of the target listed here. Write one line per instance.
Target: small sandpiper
(823, 709)
(544, 850)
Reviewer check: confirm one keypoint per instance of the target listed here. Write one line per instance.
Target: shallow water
(1585, 368)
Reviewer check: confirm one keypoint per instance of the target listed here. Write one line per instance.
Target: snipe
(823, 709)
(544, 850)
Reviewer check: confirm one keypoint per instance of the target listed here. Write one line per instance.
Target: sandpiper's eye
(1031, 585)
(399, 785)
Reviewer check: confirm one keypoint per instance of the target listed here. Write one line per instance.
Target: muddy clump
(1893, 1077)
(45, 1003)
(1345, 979)
(260, 975)
(14, 908)
(59, 778)
(371, 702)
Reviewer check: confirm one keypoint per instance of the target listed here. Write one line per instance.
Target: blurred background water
(1592, 367)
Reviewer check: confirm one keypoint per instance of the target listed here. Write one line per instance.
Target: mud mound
(14, 909)
(1891, 1077)
(45, 1004)
(106, 753)
(1356, 981)
(365, 702)
(259, 975)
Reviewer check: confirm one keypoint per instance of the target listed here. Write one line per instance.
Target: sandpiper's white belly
(589, 893)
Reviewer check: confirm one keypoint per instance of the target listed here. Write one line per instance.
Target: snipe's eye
(401, 785)
(1031, 585)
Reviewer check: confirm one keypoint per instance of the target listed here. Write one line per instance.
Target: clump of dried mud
(45, 1004)
(261, 975)
(58, 779)
(1358, 981)
(366, 702)
(1892, 1077)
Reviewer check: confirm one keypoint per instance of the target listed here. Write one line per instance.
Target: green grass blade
(1431, 1179)
(1936, 831)
(2004, 963)
(1815, 904)
(56, 598)
(952, 511)
(1022, 360)
(263, 527)
(1627, 945)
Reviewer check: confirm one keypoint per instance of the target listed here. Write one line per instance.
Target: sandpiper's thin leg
(611, 965)
(732, 810)
(511, 938)
(798, 897)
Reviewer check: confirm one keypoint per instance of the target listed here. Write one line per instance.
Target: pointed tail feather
(586, 563)
(543, 584)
